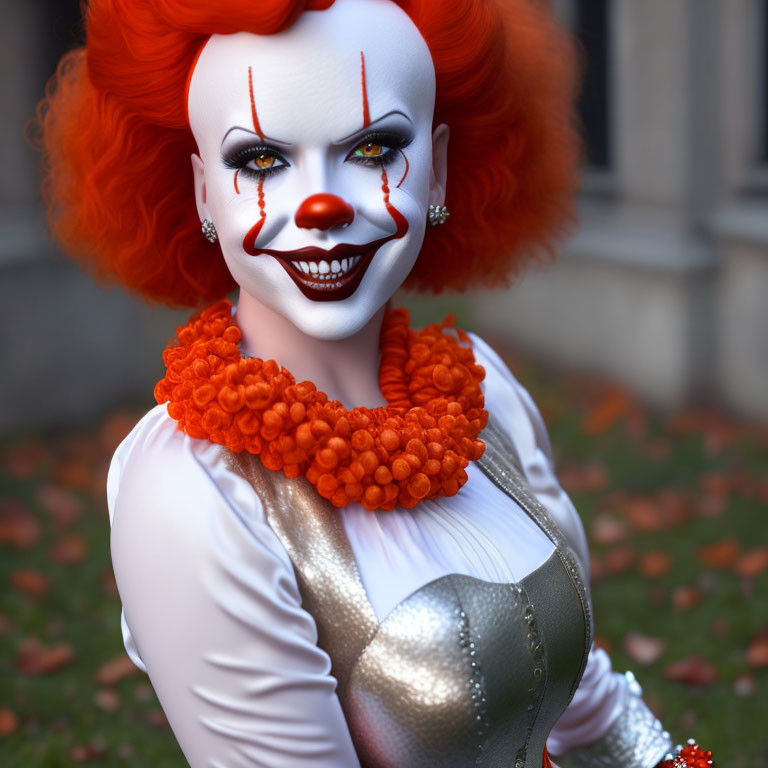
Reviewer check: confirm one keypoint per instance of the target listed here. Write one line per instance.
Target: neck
(346, 369)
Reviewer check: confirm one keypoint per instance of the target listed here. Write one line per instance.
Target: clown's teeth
(322, 271)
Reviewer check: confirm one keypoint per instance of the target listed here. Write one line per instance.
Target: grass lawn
(674, 505)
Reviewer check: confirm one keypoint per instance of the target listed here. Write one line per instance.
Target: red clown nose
(324, 211)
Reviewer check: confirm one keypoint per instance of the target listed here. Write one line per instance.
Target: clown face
(317, 160)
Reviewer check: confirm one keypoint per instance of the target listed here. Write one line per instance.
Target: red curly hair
(114, 130)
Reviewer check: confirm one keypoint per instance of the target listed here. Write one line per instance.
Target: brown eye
(369, 149)
(264, 161)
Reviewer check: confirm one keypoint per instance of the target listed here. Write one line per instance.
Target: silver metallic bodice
(462, 672)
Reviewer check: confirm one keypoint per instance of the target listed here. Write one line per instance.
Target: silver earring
(437, 214)
(209, 231)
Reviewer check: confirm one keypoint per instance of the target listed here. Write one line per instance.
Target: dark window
(64, 28)
(591, 27)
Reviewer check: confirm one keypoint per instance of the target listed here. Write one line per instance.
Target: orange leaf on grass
(609, 410)
(30, 581)
(107, 699)
(18, 526)
(69, 549)
(583, 478)
(655, 564)
(115, 670)
(757, 652)
(36, 659)
(618, 560)
(645, 515)
(752, 563)
(694, 670)
(720, 556)
(607, 530)
(643, 649)
(9, 722)
(22, 461)
(684, 597)
(63, 506)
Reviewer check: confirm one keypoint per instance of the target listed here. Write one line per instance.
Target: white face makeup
(316, 160)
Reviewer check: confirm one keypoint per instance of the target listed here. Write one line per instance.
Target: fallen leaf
(757, 652)
(115, 670)
(752, 563)
(73, 473)
(643, 649)
(84, 753)
(583, 478)
(157, 718)
(618, 560)
(694, 670)
(36, 659)
(63, 506)
(677, 508)
(684, 597)
(24, 460)
(107, 699)
(9, 722)
(645, 515)
(655, 564)
(69, 549)
(606, 530)
(30, 582)
(143, 692)
(611, 408)
(720, 556)
(18, 526)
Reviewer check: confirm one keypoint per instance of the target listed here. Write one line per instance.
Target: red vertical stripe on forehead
(366, 111)
(254, 116)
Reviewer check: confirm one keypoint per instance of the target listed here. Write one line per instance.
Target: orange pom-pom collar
(415, 448)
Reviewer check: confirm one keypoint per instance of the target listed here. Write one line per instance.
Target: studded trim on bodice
(462, 673)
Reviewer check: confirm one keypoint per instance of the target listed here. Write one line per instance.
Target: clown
(339, 541)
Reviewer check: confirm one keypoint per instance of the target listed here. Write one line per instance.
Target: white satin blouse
(212, 611)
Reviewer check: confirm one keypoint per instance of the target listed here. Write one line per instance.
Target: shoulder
(164, 486)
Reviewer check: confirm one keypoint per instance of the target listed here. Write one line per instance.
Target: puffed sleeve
(212, 611)
(607, 723)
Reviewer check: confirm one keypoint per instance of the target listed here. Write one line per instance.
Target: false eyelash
(238, 161)
(393, 142)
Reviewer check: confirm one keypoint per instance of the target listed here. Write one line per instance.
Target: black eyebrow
(372, 126)
(253, 133)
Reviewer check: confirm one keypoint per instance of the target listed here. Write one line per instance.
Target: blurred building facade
(665, 287)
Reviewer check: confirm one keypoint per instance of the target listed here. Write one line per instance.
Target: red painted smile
(327, 275)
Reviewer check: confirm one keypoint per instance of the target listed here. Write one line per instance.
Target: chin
(335, 320)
